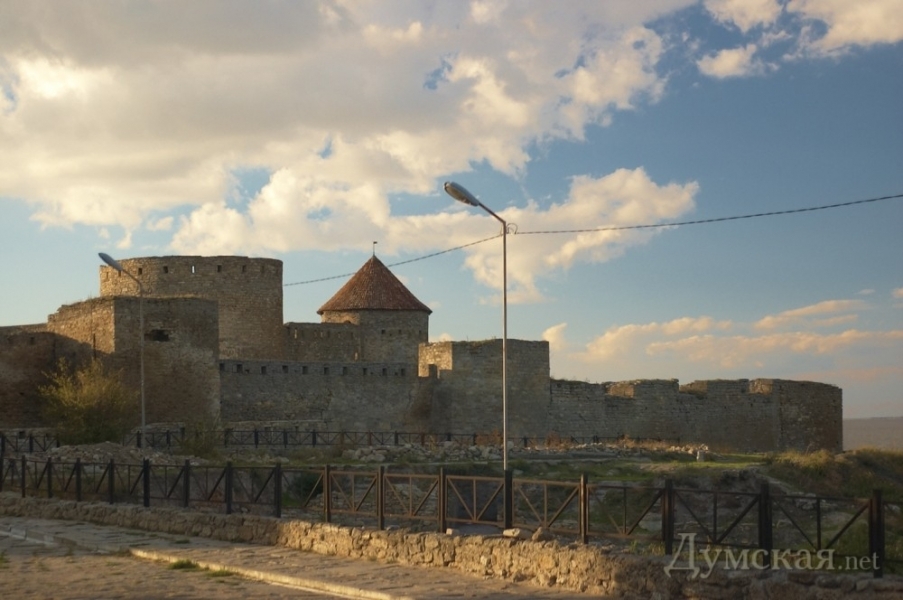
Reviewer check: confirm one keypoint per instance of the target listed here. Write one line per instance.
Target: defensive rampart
(248, 292)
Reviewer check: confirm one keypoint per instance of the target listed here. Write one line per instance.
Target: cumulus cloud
(846, 24)
(555, 336)
(737, 351)
(142, 121)
(804, 314)
(689, 344)
(734, 62)
(629, 340)
(745, 14)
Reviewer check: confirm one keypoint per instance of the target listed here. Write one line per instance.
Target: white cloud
(625, 197)
(555, 336)
(702, 347)
(860, 23)
(738, 351)
(629, 340)
(745, 14)
(164, 224)
(734, 62)
(155, 111)
(798, 315)
(897, 293)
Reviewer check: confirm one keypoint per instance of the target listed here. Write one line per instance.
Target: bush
(88, 405)
(203, 437)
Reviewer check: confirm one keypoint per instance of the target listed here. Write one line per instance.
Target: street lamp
(462, 195)
(115, 264)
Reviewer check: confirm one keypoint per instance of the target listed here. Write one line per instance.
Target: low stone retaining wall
(586, 568)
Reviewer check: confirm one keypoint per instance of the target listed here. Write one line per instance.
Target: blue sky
(305, 131)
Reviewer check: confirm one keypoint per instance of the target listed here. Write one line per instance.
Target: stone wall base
(585, 568)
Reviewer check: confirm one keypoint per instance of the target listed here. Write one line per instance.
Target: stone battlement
(215, 343)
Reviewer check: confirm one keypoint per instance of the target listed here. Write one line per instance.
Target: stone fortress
(215, 344)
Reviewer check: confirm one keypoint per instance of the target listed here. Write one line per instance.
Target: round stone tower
(248, 292)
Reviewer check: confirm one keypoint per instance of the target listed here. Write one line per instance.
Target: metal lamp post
(460, 194)
(115, 264)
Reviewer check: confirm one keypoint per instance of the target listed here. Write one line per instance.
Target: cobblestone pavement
(72, 560)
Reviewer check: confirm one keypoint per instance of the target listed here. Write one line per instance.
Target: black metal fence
(767, 521)
(291, 438)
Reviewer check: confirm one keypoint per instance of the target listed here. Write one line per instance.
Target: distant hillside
(880, 432)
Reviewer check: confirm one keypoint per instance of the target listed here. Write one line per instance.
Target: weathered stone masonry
(586, 568)
(215, 343)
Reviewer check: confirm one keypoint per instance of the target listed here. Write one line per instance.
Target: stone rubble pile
(443, 452)
(454, 452)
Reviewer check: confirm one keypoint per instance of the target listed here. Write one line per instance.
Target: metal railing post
(111, 482)
(186, 483)
(228, 491)
(876, 533)
(22, 474)
(584, 508)
(145, 481)
(327, 494)
(442, 500)
(766, 541)
(49, 473)
(668, 517)
(78, 480)
(277, 489)
(380, 498)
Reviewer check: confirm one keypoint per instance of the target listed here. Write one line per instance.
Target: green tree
(87, 405)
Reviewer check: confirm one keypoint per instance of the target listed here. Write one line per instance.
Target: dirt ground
(32, 570)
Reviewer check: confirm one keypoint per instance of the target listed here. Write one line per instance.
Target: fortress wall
(180, 349)
(740, 415)
(180, 356)
(811, 414)
(248, 291)
(88, 324)
(386, 335)
(468, 395)
(25, 355)
(351, 396)
(306, 342)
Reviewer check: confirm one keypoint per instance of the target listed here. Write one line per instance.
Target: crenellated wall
(214, 341)
(248, 292)
(468, 396)
(349, 396)
(181, 340)
(758, 415)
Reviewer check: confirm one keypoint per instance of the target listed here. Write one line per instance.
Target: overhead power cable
(622, 228)
(713, 220)
(404, 262)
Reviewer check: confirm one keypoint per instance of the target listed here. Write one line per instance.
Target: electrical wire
(713, 220)
(404, 262)
(621, 228)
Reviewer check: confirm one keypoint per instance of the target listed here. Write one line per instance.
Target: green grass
(851, 474)
(185, 564)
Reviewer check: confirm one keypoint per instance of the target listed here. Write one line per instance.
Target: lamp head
(110, 261)
(460, 194)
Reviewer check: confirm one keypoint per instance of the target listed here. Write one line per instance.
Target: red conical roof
(373, 287)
